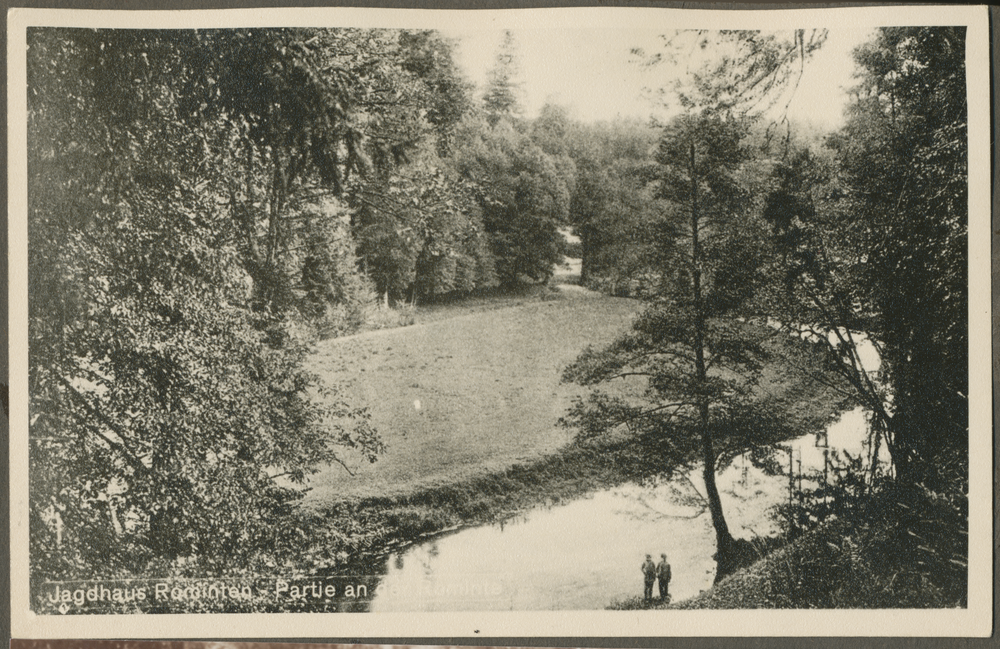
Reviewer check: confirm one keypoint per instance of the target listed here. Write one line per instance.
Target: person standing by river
(649, 576)
(663, 575)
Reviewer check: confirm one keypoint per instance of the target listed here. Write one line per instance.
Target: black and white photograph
(591, 321)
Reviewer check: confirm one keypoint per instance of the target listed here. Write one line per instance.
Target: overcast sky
(592, 71)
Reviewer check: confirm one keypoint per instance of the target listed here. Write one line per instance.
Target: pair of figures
(656, 572)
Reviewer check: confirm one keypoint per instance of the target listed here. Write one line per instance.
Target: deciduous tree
(164, 402)
(880, 248)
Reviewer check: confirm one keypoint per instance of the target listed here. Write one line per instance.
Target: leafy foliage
(710, 252)
(447, 96)
(165, 402)
(910, 205)
(613, 209)
(500, 100)
(201, 203)
(698, 365)
(880, 247)
(420, 231)
(524, 194)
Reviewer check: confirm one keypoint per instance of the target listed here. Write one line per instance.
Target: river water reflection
(587, 553)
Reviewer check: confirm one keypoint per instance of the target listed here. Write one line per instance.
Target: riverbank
(898, 548)
(360, 531)
(347, 537)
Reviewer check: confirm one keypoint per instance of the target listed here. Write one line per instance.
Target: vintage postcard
(562, 322)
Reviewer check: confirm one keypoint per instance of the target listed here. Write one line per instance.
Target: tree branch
(122, 447)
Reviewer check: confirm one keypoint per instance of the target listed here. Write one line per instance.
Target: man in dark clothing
(663, 575)
(649, 575)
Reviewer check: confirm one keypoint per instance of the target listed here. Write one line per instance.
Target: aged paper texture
(300, 299)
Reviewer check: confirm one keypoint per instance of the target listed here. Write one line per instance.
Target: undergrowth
(892, 546)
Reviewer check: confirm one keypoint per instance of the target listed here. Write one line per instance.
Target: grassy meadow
(471, 389)
(467, 401)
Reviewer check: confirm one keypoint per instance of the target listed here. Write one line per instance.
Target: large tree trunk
(725, 559)
(724, 544)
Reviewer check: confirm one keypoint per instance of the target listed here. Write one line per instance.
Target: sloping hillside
(463, 396)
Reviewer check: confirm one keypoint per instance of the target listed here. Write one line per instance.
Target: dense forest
(204, 205)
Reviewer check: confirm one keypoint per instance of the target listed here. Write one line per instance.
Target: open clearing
(464, 394)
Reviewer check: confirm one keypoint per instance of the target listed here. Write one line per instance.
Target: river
(587, 553)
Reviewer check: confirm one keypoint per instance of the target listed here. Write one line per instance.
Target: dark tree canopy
(904, 152)
(164, 401)
(872, 239)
